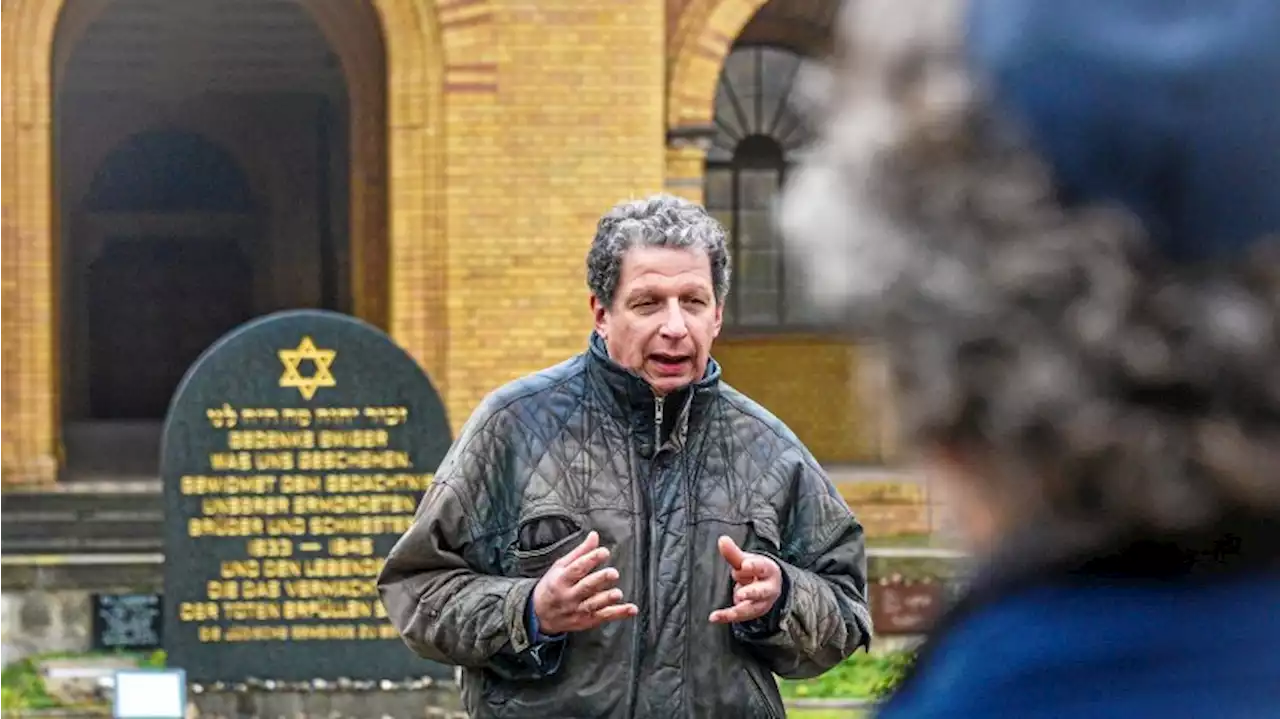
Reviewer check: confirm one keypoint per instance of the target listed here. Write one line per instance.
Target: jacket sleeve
(822, 616)
(446, 606)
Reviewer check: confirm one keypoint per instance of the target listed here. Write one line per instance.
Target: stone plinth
(41, 622)
(439, 700)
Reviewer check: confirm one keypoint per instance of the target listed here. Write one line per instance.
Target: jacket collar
(631, 399)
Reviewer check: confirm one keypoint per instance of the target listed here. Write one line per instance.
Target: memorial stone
(295, 452)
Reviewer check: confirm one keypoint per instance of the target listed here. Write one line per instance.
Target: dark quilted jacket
(583, 446)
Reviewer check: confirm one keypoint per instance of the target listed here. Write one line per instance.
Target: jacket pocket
(544, 538)
(764, 537)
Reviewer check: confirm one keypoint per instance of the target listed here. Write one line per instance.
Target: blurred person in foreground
(1061, 217)
(623, 534)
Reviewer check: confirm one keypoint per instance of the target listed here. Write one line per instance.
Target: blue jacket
(1117, 648)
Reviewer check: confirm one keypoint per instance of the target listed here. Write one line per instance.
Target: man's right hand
(571, 597)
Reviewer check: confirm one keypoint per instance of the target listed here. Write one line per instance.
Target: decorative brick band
(480, 77)
(467, 28)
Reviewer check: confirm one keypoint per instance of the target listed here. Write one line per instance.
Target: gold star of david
(322, 377)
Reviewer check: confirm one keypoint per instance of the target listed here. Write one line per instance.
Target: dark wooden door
(155, 304)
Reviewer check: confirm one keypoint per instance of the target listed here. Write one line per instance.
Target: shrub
(22, 687)
(896, 667)
(9, 700)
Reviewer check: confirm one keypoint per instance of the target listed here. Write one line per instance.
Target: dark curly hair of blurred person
(1105, 392)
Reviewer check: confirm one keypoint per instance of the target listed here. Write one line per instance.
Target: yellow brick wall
(808, 382)
(29, 307)
(574, 124)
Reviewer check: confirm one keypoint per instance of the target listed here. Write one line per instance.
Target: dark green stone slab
(298, 446)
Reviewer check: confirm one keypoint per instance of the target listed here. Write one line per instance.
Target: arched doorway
(203, 159)
(170, 230)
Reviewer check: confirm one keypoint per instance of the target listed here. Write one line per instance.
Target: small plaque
(150, 694)
(294, 455)
(906, 607)
(131, 622)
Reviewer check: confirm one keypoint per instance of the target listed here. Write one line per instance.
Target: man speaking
(623, 534)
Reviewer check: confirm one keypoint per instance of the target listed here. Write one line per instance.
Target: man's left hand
(757, 584)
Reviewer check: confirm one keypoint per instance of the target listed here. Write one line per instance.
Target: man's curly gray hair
(659, 221)
(1101, 389)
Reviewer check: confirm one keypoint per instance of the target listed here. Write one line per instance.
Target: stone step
(61, 522)
(881, 521)
(883, 492)
(34, 528)
(79, 506)
(95, 538)
(81, 545)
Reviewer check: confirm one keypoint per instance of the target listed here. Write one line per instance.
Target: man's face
(664, 316)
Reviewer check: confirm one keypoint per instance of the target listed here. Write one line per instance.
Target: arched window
(757, 131)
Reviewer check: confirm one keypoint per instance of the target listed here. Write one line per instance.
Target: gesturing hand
(571, 597)
(757, 584)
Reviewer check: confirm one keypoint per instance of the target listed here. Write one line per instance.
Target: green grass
(827, 714)
(861, 676)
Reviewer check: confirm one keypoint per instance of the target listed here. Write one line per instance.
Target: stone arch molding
(397, 192)
(703, 39)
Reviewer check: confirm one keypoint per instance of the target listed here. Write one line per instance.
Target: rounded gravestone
(294, 455)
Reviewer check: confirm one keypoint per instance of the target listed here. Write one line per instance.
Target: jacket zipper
(639, 630)
(657, 425)
(687, 482)
(645, 600)
(655, 468)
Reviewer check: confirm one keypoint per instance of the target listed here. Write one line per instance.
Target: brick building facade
(433, 166)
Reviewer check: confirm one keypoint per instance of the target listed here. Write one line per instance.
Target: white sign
(151, 694)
